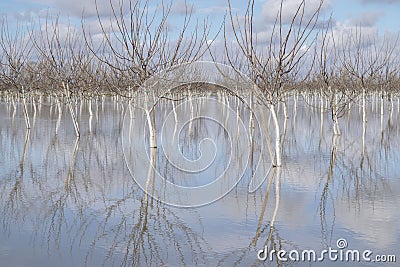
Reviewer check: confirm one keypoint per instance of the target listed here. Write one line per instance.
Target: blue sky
(382, 13)
(372, 15)
(387, 12)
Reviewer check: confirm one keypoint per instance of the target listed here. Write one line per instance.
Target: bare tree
(270, 67)
(362, 60)
(331, 77)
(137, 44)
(56, 47)
(15, 61)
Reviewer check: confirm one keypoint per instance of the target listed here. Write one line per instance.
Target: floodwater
(81, 202)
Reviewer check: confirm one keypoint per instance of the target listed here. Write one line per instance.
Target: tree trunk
(334, 110)
(364, 116)
(59, 115)
(27, 122)
(251, 131)
(382, 110)
(321, 115)
(336, 128)
(278, 152)
(71, 110)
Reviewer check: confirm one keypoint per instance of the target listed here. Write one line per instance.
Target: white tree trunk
(295, 108)
(174, 111)
(90, 115)
(59, 115)
(334, 110)
(227, 112)
(81, 107)
(71, 109)
(251, 130)
(364, 116)
(382, 111)
(152, 128)
(321, 114)
(15, 108)
(251, 119)
(151, 121)
(391, 107)
(336, 128)
(40, 104)
(285, 121)
(278, 150)
(192, 112)
(265, 126)
(90, 108)
(131, 121)
(34, 111)
(27, 122)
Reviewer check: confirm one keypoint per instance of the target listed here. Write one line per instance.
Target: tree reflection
(77, 198)
(325, 195)
(15, 200)
(357, 173)
(88, 201)
(273, 240)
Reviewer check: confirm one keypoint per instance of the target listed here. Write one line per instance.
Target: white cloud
(76, 8)
(270, 9)
(367, 19)
(182, 7)
(343, 30)
(24, 15)
(214, 10)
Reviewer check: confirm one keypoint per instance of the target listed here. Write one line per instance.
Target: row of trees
(132, 45)
(135, 43)
(60, 60)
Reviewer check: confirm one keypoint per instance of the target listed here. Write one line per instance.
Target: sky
(382, 14)
(373, 16)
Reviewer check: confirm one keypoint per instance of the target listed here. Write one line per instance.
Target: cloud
(342, 31)
(214, 10)
(24, 15)
(367, 19)
(182, 7)
(76, 8)
(270, 9)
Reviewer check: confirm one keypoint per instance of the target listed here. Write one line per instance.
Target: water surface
(73, 202)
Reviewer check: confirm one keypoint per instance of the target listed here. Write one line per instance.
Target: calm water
(75, 202)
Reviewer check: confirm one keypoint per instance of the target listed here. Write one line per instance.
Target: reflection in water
(325, 195)
(71, 201)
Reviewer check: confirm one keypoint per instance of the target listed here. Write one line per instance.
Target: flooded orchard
(71, 201)
(161, 133)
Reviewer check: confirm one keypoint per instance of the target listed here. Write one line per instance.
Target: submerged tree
(56, 48)
(16, 64)
(273, 65)
(362, 60)
(136, 43)
(331, 77)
